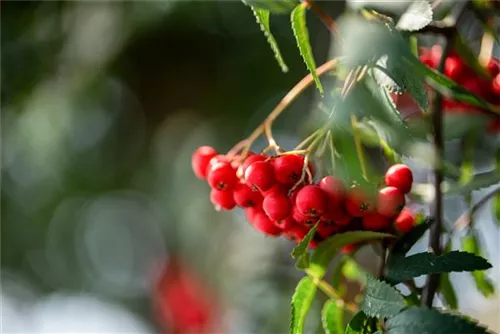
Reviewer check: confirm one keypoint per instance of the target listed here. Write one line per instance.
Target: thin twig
(333, 294)
(465, 219)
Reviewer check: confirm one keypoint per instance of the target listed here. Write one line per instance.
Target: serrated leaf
(274, 6)
(416, 320)
(381, 300)
(405, 243)
(417, 16)
(262, 17)
(301, 248)
(358, 324)
(383, 78)
(299, 27)
(328, 248)
(465, 53)
(301, 302)
(401, 269)
(481, 180)
(332, 318)
(448, 292)
(470, 243)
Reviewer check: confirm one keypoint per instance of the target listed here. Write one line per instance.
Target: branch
(466, 218)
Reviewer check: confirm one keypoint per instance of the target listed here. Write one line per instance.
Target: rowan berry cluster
(280, 197)
(456, 69)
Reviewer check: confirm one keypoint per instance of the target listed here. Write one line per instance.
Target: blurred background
(105, 229)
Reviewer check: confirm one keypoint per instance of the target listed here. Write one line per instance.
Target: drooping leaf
(332, 318)
(480, 180)
(301, 302)
(274, 6)
(301, 248)
(405, 243)
(358, 324)
(417, 16)
(464, 51)
(470, 243)
(381, 300)
(262, 16)
(401, 269)
(337, 277)
(448, 292)
(301, 33)
(328, 248)
(416, 320)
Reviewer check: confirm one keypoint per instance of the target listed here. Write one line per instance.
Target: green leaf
(301, 248)
(337, 276)
(465, 53)
(416, 320)
(262, 16)
(301, 302)
(352, 271)
(299, 27)
(401, 269)
(457, 125)
(470, 243)
(358, 324)
(274, 6)
(405, 243)
(417, 16)
(302, 262)
(483, 19)
(332, 318)
(328, 248)
(496, 208)
(481, 180)
(448, 292)
(381, 300)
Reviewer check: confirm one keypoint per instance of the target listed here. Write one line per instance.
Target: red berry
(245, 197)
(288, 168)
(278, 188)
(335, 190)
(399, 176)
(200, 160)
(493, 67)
(216, 159)
(260, 175)
(495, 84)
(222, 199)
(347, 249)
(390, 201)
(222, 176)
(358, 203)
(286, 224)
(263, 224)
(405, 221)
(454, 68)
(311, 201)
(277, 206)
(296, 233)
(375, 222)
(251, 212)
(251, 159)
(338, 216)
(326, 230)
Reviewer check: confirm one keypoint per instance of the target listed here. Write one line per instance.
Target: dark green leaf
(301, 248)
(302, 36)
(464, 51)
(470, 243)
(262, 16)
(481, 180)
(404, 244)
(401, 269)
(332, 318)
(274, 6)
(302, 262)
(448, 292)
(429, 321)
(301, 302)
(328, 248)
(381, 300)
(417, 16)
(358, 324)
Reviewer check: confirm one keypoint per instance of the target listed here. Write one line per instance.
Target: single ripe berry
(277, 206)
(245, 197)
(222, 176)
(405, 221)
(296, 233)
(337, 216)
(278, 188)
(399, 176)
(348, 249)
(200, 160)
(375, 222)
(222, 199)
(263, 224)
(493, 67)
(495, 84)
(326, 230)
(390, 201)
(285, 224)
(260, 175)
(334, 189)
(288, 168)
(251, 212)
(358, 203)
(251, 159)
(311, 201)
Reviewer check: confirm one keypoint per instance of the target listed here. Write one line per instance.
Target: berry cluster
(279, 200)
(456, 69)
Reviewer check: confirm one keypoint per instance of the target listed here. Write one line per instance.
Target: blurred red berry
(326, 230)
(260, 175)
(200, 160)
(263, 224)
(245, 197)
(222, 199)
(348, 249)
(251, 159)
(311, 201)
(405, 221)
(454, 68)
(375, 222)
(358, 203)
(286, 224)
(334, 189)
(493, 67)
(277, 206)
(296, 233)
(288, 168)
(399, 176)
(390, 201)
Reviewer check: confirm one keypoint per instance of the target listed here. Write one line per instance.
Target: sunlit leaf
(417, 16)
(448, 291)
(358, 324)
(332, 318)
(274, 6)
(301, 302)
(470, 243)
